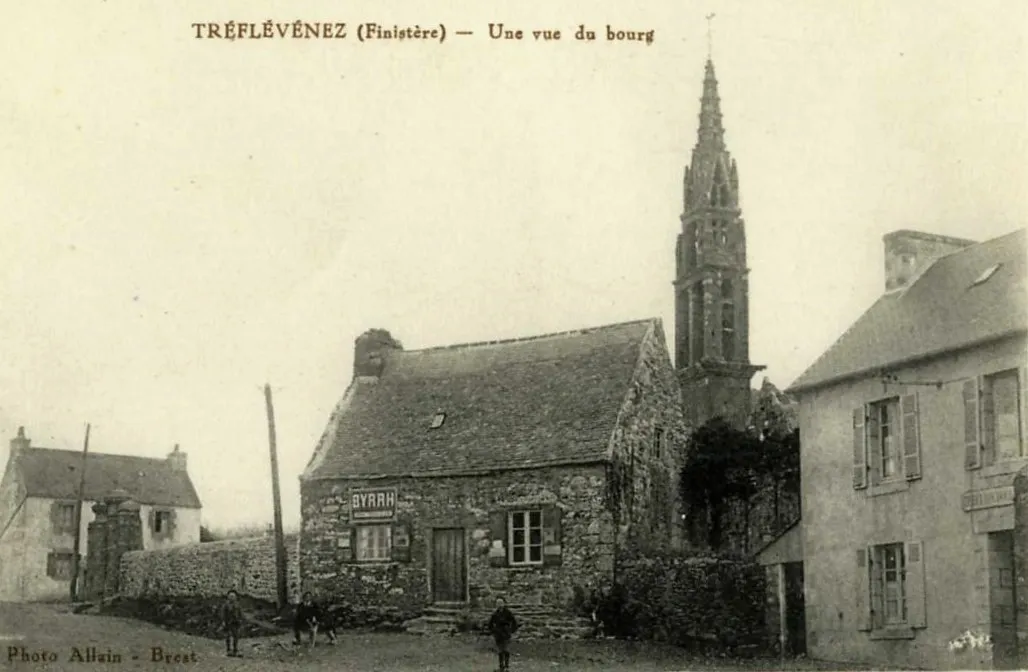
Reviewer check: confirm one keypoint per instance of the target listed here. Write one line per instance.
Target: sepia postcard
(514, 336)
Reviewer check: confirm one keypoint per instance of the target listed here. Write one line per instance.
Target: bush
(698, 602)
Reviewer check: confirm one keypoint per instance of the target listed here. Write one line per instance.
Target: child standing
(231, 620)
(503, 625)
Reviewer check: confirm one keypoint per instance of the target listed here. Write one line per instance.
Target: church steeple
(712, 133)
(711, 287)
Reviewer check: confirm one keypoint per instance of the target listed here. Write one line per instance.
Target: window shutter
(171, 522)
(346, 545)
(911, 437)
(987, 422)
(551, 536)
(498, 533)
(915, 584)
(862, 588)
(972, 434)
(877, 599)
(151, 520)
(859, 450)
(50, 569)
(874, 445)
(400, 550)
(55, 516)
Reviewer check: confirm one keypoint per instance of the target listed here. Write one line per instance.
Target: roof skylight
(438, 420)
(986, 274)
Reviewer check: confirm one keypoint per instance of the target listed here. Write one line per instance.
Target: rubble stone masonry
(210, 569)
(468, 502)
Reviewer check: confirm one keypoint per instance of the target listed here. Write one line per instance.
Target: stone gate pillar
(96, 552)
(126, 534)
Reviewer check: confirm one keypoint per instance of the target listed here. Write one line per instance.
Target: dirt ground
(49, 637)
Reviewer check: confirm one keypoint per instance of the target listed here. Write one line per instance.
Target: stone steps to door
(536, 622)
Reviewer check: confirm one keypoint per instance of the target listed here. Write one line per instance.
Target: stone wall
(210, 569)
(1021, 565)
(575, 494)
(649, 443)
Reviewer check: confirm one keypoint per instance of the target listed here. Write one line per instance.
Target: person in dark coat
(503, 625)
(231, 621)
(311, 618)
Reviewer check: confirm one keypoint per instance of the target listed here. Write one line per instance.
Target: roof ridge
(92, 453)
(525, 339)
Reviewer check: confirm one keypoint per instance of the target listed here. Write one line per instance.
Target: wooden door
(448, 570)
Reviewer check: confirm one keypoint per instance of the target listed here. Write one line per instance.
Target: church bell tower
(711, 286)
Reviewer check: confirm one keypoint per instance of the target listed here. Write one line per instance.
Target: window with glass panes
(885, 439)
(526, 537)
(374, 542)
(893, 587)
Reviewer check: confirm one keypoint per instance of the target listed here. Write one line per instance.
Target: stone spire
(711, 180)
(711, 132)
(711, 285)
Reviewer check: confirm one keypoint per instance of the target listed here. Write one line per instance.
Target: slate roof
(51, 473)
(940, 311)
(550, 399)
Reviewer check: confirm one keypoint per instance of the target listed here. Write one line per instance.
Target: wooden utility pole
(78, 520)
(280, 544)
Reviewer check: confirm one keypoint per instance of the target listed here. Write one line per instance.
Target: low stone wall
(210, 569)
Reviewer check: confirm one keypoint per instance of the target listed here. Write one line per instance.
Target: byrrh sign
(373, 503)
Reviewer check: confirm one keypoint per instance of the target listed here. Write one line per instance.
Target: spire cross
(710, 39)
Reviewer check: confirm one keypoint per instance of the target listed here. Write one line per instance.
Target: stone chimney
(370, 351)
(909, 253)
(20, 442)
(177, 459)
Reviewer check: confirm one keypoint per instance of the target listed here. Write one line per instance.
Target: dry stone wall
(210, 569)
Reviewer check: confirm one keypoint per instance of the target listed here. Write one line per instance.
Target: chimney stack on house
(20, 442)
(177, 459)
(370, 351)
(909, 253)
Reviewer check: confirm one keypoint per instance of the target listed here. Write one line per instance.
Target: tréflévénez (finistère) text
(434, 33)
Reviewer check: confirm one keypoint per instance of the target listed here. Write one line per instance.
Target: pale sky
(183, 220)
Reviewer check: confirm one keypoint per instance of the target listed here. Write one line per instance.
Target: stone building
(711, 285)
(913, 430)
(38, 495)
(520, 468)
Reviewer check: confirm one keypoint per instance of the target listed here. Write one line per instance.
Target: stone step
(536, 621)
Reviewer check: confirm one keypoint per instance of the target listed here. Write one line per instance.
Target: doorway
(449, 570)
(795, 607)
(1002, 600)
